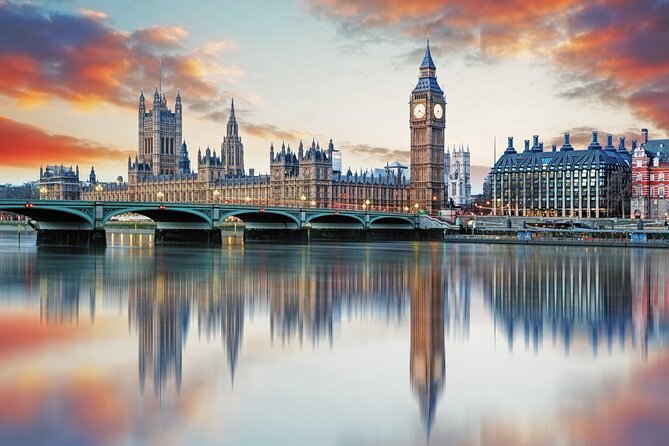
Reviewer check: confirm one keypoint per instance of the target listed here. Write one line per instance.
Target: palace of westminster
(310, 175)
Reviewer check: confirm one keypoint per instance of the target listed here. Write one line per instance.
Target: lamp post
(367, 202)
(160, 196)
(313, 203)
(217, 194)
(416, 207)
(406, 209)
(303, 199)
(42, 192)
(98, 190)
(247, 199)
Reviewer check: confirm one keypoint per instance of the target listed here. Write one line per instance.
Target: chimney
(566, 145)
(252, 172)
(527, 145)
(541, 147)
(609, 142)
(644, 136)
(554, 148)
(510, 149)
(634, 144)
(535, 141)
(621, 146)
(594, 145)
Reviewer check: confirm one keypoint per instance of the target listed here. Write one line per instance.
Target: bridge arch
(336, 218)
(261, 217)
(159, 213)
(391, 221)
(52, 214)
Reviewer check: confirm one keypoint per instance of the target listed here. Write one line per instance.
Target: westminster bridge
(82, 223)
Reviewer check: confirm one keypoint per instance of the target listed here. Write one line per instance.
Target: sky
(71, 73)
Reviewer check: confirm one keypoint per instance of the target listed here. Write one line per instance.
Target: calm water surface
(375, 344)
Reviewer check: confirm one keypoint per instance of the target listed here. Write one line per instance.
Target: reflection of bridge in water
(82, 223)
(306, 293)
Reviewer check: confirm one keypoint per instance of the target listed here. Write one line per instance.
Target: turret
(156, 98)
(142, 100)
(177, 103)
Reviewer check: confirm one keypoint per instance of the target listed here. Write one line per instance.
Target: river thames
(374, 344)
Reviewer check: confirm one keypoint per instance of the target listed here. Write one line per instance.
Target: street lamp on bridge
(98, 190)
(247, 199)
(160, 196)
(42, 192)
(217, 194)
(416, 206)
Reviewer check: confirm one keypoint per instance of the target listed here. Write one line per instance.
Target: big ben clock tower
(427, 121)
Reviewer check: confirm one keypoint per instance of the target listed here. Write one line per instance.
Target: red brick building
(650, 178)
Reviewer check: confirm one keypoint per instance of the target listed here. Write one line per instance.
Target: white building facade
(457, 176)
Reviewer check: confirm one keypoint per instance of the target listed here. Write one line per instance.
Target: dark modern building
(560, 182)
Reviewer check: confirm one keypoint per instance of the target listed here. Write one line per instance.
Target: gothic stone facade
(650, 178)
(457, 176)
(306, 177)
(427, 121)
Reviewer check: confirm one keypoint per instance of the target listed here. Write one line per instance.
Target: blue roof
(427, 59)
(563, 159)
(428, 84)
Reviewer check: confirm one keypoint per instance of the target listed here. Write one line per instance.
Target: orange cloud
(25, 145)
(80, 59)
(20, 332)
(619, 47)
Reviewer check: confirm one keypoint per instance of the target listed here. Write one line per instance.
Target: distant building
(457, 176)
(336, 161)
(59, 183)
(650, 178)
(559, 183)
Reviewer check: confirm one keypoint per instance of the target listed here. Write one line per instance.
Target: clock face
(438, 111)
(419, 111)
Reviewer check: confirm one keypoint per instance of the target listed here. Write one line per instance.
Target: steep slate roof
(564, 159)
(655, 146)
(427, 59)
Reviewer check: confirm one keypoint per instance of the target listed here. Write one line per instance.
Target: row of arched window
(166, 146)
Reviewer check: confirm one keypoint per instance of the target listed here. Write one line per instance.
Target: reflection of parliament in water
(586, 294)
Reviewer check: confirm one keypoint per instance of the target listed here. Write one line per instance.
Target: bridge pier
(201, 237)
(91, 238)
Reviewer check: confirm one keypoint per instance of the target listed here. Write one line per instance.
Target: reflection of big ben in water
(427, 363)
